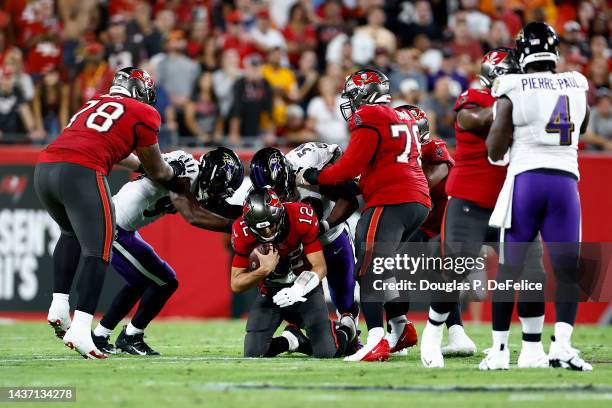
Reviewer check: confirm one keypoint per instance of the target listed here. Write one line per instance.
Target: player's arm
(242, 279)
(132, 162)
(360, 150)
(318, 265)
(435, 173)
(585, 122)
(186, 204)
(346, 203)
(501, 131)
(153, 163)
(474, 118)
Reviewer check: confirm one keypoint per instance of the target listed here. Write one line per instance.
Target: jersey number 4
(103, 118)
(411, 134)
(560, 121)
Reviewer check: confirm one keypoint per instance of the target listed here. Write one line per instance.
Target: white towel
(502, 213)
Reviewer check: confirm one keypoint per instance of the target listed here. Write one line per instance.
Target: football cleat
(407, 338)
(102, 343)
(83, 344)
(498, 359)
(532, 356)
(459, 343)
(431, 341)
(372, 351)
(565, 356)
(134, 344)
(304, 345)
(59, 320)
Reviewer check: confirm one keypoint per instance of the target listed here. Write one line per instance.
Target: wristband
(307, 281)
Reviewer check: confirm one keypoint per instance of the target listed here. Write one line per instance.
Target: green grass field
(202, 365)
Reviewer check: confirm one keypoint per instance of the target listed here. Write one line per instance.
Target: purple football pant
(340, 260)
(136, 261)
(547, 202)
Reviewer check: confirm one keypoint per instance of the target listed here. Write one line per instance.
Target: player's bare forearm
(435, 173)
(196, 215)
(342, 211)
(153, 164)
(242, 280)
(585, 122)
(501, 131)
(131, 162)
(474, 119)
(317, 262)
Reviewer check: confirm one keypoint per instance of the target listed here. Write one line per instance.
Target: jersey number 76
(560, 121)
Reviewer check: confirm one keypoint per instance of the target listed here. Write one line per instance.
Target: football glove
(307, 177)
(183, 164)
(306, 282)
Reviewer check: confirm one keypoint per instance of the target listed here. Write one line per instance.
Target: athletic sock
(59, 304)
(82, 321)
(454, 318)
(102, 331)
(278, 345)
(124, 301)
(66, 256)
(397, 324)
(92, 271)
(437, 318)
(375, 335)
(563, 332)
(500, 339)
(130, 330)
(532, 328)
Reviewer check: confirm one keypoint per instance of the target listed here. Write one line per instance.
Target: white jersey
(142, 201)
(547, 112)
(317, 155)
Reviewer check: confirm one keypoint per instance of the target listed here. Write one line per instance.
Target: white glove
(307, 281)
(299, 177)
(191, 164)
(288, 296)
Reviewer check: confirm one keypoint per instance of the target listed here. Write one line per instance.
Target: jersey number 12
(560, 121)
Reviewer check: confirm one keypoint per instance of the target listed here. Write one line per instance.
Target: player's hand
(183, 164)
(288, 296)
(306, 177)
(268, 262)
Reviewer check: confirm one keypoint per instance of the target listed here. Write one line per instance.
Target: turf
(202, 365)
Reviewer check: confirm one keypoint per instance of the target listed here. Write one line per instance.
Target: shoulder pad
(476, 97)
(503, 85)
(581, 79)
(366, 115)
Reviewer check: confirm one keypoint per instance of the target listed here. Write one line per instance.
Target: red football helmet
(421, 119)
(364, 87)
(135, 83)
(497, 62)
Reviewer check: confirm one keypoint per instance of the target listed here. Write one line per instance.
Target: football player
(543, 113)
(333, 206)
(149, 279)
(436, 163)
(70, 181)
(288, 277)
(384, 149)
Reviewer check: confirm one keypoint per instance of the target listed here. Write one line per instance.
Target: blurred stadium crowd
(269, 72)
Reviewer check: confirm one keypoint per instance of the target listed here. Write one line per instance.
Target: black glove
(179, 168)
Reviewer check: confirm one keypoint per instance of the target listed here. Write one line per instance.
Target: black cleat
(134, 344)
(304, 345)
(102, 344)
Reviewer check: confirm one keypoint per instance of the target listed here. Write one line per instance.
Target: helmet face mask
(270, 168)
(264, 214)
(135, 83)
(537, 42)
(221, 174)
(497, 62)
(364, 87)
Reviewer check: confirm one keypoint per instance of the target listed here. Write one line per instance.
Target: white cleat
(565, 356)
(83, 344)
(532, 356)
(496, 359)
(459, 343)
(431, 341)
(60, 321)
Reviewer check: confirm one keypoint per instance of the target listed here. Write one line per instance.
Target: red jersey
(435, 152)
(105, 131)
(300, 239)
(473, 177)
(385, 150)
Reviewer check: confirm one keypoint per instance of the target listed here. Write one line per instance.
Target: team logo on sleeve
(438, 151)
